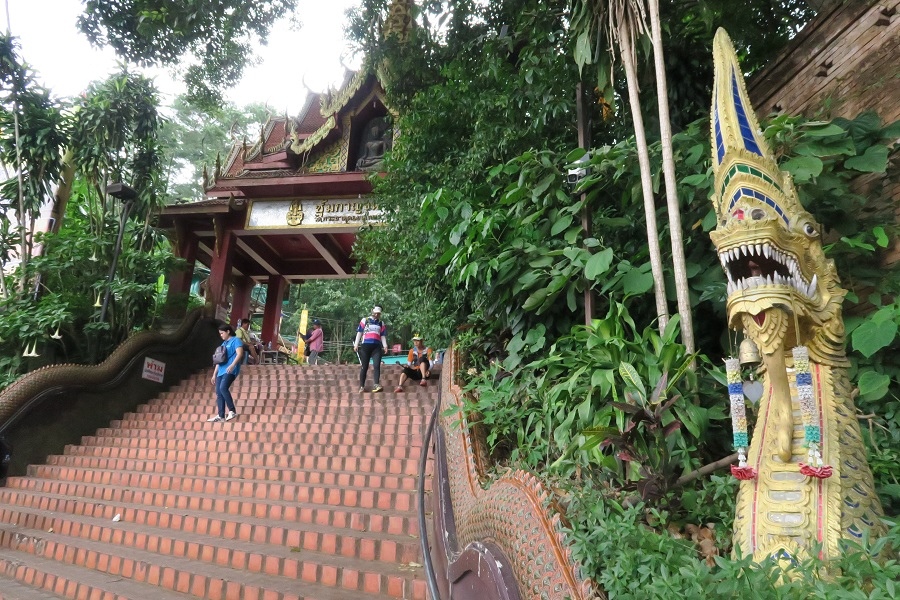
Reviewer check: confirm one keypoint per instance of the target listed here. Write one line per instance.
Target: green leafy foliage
(67, 156)
(476, 188)
(221, 34)
(195, 139)
(602, 398)
(629, 560)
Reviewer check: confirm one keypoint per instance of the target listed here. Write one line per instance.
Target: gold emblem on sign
(295, 214)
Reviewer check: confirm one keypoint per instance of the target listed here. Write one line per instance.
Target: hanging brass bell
(748, 353)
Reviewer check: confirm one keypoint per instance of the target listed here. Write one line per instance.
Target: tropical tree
(208, 41)
(195, 139)
(67, 155)
(36, 131)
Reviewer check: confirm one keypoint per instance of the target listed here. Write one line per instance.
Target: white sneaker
(215, 419)
(230, 415)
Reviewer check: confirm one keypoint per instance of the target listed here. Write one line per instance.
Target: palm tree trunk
(668, 161)
(659, 285)
(63, 191)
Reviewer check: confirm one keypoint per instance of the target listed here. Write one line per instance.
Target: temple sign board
(312, 213)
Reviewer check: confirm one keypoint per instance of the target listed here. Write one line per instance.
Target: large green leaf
(583, 49)
(637, 281)
(873, 385)
(536, 299)
(561, 224)
(870, 337)
(822, 129)
(873, 160)
(598, 264)
(632, 379)
(803, 168)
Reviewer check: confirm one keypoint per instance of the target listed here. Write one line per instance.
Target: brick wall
(843, 62)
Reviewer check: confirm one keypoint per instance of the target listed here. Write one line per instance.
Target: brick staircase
(308, 494)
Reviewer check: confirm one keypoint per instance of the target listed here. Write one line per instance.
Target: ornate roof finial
(218, 171)
(206, 185)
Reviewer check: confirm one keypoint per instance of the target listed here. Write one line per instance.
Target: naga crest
(770, 247)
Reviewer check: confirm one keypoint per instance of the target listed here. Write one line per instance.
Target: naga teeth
(790, 274)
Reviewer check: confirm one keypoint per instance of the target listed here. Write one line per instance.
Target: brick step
(323, 387)
(409, 403)
(263, 419)
(326, 384)
(373, 520)
(224, 444)
(298, 428)
(231, 535)
(10, 589)
(268, 488)
(303, 370)
(276, 397)
(383, 464)
(256, 435)
(323, 382)
(29, 577)
(308, 495)
(164, 575)
(335, 414)
(272, 472)
(320, 386)
(252, 493)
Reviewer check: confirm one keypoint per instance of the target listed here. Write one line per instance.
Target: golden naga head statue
(770, 247)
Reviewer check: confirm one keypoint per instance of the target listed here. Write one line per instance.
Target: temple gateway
(287, 207)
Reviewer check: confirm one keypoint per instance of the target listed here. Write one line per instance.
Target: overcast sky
(66, 63)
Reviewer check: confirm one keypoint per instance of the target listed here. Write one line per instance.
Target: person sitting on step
(418, 364)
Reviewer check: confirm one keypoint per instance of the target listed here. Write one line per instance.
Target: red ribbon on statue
(743, 473)
(823, 472)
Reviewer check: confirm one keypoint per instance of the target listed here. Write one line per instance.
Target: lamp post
(127, 195)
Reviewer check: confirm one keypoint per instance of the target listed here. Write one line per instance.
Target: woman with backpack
(225, 373)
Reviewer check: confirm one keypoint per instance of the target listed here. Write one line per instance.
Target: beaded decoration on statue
(812, 433)
(738, 419)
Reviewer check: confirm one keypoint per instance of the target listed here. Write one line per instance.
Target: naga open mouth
(750, 266)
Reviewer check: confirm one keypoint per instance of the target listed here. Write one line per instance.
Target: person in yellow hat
(418, 364)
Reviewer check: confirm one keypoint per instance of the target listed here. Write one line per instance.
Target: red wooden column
(185, 247)
(220, 274)
(240, 299)
(276, 286)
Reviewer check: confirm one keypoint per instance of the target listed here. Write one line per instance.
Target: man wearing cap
(418, 364)
(371, 344)
(315, 341)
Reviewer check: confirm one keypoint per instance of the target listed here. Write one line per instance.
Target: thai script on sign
(331, 211)
(299, 212)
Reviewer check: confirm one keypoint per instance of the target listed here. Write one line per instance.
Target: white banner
(154, 370)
